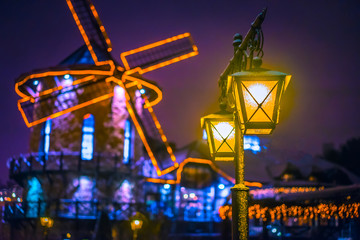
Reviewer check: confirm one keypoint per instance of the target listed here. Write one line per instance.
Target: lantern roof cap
(222, 114)
(259, 72)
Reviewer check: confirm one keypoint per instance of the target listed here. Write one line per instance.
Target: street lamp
(257, 95)
(47, 223)
(136, 223)
(250, 104)
(220, 130)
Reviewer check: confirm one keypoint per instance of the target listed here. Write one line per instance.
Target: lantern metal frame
(244, 67)
(239, 81)
(208, 123)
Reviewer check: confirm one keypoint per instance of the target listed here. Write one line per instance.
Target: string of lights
(271, 192)
(283, 212)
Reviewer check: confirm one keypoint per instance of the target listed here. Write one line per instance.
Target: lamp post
(250, 104)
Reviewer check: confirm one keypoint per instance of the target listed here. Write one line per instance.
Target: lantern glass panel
(223, 136)
(259, 98)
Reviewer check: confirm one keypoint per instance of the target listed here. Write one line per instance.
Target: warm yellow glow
(46, 222)
(223, 130)
(258, 131)
(224, 159)
(287, 81)
(259, 92)
(136, 224)
(304, 213)
(223, 136)
(220, 131)
(259, 100)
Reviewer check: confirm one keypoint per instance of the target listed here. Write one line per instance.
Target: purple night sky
(318, 42)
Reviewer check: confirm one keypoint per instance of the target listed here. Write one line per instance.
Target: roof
(267, 167)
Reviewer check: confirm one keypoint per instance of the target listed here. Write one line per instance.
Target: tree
(348, 156)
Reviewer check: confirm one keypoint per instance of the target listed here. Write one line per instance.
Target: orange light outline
(163, 181)
(94, 57)
(52, 116)
(130, 110)
(82, 31)
(141, 131)
(51, 90)
(168, 62)
(156, 44)
(87, 78)
(135, 81)
(137, 125)
(202, 161)
(48, 91)
(84, 79)
(158, 127)
(101, 26)
(120, 68)
(63, 72)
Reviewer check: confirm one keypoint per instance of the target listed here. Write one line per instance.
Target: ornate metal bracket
(247, 54)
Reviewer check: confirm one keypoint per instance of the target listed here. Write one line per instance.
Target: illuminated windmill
(50, 93)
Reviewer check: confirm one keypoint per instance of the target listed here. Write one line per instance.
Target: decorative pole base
(240, 220)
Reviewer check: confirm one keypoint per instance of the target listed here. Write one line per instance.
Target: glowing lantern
(46, 222)
(220, 130)
(257, 95)
(136, 223)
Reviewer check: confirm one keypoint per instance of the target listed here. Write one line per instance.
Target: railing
(70, 209)
(59, 161)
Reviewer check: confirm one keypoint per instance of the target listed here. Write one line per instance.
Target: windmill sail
(160, 54)
(65, 99)
(91, 28)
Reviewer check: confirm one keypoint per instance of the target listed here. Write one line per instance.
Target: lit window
(87, 143)
(35, 82)
(127, 142)
(252, 143)
(67, 81)
(45, 140)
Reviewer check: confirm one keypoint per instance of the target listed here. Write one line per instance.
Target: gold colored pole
(240, 193)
